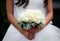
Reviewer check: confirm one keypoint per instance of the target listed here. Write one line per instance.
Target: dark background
(56, 19)
(4, 23)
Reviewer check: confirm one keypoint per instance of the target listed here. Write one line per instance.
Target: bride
(16, 33)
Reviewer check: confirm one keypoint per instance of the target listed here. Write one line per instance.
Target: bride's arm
(49, 16)
(49, 8)
(10, 14)
(11, 18)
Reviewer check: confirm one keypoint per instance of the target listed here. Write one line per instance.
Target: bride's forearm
(10, 13)
(49, 17)
(49, 9)
(14, 22)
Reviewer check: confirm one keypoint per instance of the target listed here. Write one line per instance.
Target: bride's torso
(33, 4)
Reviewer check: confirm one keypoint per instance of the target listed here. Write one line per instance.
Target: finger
(32, 37)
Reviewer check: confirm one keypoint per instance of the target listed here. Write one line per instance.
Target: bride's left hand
(37, 29)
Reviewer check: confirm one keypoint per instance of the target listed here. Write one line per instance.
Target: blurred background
(4, 23)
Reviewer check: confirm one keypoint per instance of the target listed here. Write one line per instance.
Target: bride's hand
(26, 33)
(29, 35)
(36, 29)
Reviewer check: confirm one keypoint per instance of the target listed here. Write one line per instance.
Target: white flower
(32, 15)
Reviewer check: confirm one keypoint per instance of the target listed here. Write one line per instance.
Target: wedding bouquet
(31, 18)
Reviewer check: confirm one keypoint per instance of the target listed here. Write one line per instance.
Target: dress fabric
(49, 33)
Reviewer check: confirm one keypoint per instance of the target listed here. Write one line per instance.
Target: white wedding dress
(49, 33)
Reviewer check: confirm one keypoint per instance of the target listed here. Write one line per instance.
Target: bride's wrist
(40, 27)
(20, 29)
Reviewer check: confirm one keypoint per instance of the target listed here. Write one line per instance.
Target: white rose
(33, 15)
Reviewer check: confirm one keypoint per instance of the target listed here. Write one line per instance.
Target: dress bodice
(33, 4)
